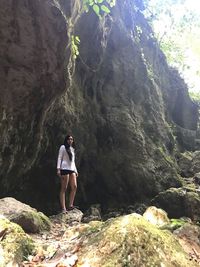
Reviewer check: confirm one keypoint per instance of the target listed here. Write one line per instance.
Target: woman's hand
(58, 172)
(77, 174)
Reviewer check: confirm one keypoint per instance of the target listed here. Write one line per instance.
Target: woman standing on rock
(66, 169)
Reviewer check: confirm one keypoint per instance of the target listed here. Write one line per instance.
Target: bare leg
(63, 188)
(73, 185)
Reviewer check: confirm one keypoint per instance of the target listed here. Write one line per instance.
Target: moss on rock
(32, 221)
(131, 241)
(178, 202)
(27, 217)
(15, 243)
(174, 224)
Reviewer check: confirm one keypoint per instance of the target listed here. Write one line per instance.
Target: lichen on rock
(15, 243)
(130, 241)
(179, 202)
(27, 217)
(32, 222)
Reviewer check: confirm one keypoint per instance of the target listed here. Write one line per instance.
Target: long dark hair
(67, 146)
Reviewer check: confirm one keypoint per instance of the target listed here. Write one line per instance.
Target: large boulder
(130, 241)
(179, 202)
(15, 243)
(28, 218)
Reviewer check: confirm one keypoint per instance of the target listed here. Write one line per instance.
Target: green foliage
(176, 25)
(100, 7)
(177, 223)
(195, 97)
(75, 41)
(173, 225)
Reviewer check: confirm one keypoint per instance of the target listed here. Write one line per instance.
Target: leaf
(111, 3)
(85, 8)
(105, 9)
(77, 39)
(91, 2)
(96, 9)
(100, 1)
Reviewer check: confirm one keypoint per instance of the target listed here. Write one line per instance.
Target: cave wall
(33, 40)
(118, 100)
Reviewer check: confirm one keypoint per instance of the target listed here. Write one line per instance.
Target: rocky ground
(166, 234)
(129, 240)
(63, 242)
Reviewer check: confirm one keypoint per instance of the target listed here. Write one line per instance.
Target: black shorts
(65, 172)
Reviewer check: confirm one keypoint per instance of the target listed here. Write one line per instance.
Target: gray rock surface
(70, 217)
(33, 40)
(185, 163)
(197, 178)
(195, 162)
(92, 214)
(28, 218)
(190, 232)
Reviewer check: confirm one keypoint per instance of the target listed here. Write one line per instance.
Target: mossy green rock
(27, 217)
(15, 243)
(178, 202)
(32, 222)
(131, 241)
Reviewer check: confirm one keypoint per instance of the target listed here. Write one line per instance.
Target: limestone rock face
(28, 218)
(32, 54)
(119, 101)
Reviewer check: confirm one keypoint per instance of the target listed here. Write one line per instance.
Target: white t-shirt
(64, 162)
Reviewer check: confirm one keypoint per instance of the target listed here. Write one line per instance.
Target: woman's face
(70, 140)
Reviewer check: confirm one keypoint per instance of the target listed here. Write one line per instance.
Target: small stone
(156, 216)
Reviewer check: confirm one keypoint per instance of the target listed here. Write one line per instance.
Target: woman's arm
(75, 164)
(59, 161)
